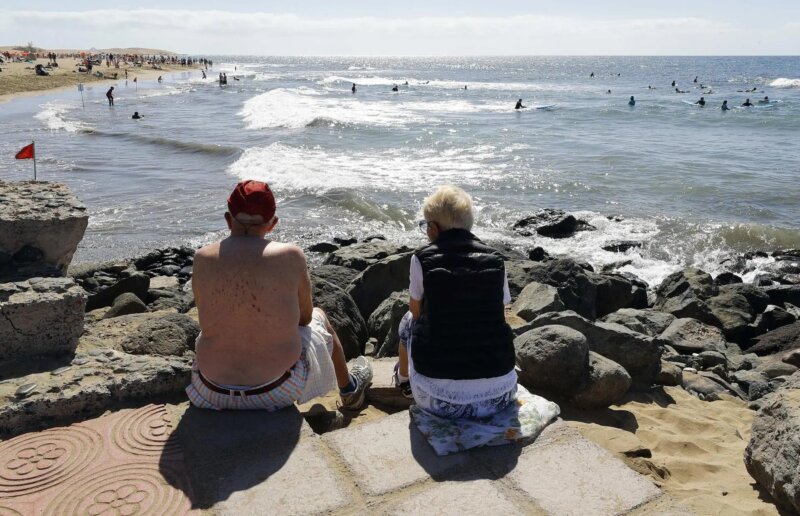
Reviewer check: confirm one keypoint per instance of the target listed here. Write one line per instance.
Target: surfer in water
(701, 102)
(695, 79)
(136, 115)
(395, 88)
(110, 96)
(353, 89)
(632, 102)
(747, 103)
(680, 91)
(673, 83)
(764, 101)
(725, 105)
(204, 73)
(519, 105)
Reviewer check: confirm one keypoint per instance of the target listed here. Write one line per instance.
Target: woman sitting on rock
(456, 350)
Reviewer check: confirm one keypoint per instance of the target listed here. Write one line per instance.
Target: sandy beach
(19, 79)
(696, 446)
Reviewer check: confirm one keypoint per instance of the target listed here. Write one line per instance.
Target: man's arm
(304, 290)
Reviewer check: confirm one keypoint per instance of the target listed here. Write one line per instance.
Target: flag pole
(34, 159)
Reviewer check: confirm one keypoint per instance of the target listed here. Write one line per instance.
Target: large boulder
(613, 293)
(360, 256)
(536, 299)
(734, 313)
(125, 304)
(520, 273)
(136, 283)
(165, 335)
(378, 281)
(336, 274)
(551, 223)
(784, 338)
(41, 225)
(692, 336)
(40, 316)
(647, 322)
(782, 294)
(553, 359)
(772, 456)
(608, 383)
(383, 323)
(343, 314)
(639, 354)
(757, 297)
(683, 294)
(577, 291)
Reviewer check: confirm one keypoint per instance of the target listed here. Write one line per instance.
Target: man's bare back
(251, 295)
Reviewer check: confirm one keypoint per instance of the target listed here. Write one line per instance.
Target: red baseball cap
(252, 198)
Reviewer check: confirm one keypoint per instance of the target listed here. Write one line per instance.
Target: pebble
(690, 369)
(60, 370)
(26, 389)
(80, 361)
(103, 359)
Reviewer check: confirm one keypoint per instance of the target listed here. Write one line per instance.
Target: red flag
(27, 152)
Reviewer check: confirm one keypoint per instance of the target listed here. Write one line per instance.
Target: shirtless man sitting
(262, 343)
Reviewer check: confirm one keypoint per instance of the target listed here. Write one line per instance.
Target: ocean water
(693, 184)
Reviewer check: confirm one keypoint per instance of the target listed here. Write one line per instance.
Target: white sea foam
(783, 82)
(312, 169)
(53, 116)
(300, 107)
(442, 84)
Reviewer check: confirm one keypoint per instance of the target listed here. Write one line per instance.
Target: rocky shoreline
(78, 341)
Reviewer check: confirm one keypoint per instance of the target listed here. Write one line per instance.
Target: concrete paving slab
(458, 498)
(390, 454)
(578, 477)
(307, 483)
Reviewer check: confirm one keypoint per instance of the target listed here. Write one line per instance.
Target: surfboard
(690, 103)
(547, 106)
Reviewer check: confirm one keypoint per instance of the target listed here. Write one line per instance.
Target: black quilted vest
(462, 333)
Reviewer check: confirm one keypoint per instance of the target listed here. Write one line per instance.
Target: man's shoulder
(287, 249)
(207, 251)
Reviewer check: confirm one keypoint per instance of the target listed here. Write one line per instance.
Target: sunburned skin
(251, 295)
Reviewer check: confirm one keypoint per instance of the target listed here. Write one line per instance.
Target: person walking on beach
(263, 345)
(110, 96)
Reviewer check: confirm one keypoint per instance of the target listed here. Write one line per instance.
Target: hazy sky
(411, 27)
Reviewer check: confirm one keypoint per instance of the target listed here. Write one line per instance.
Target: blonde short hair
(450, 207)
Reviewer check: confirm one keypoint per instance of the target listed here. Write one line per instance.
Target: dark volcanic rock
(125, 304)
(378, 281)
(781, 294)
(727, 278)
(639, 354)
(136, 283)
(692, 336)
(343, 314)
(647, 322)
(384, 321)
(323, 247)
(336, 274)
(608, 383)
(554, 359)
(538, 254)
(621, 246)
(773, 453)
(361, 256)
(757, 297)
(784, 338)
(172, 334)
(576, 289)
(613, 293)
(734, 313)
(551, 223)
(536, 299)
(520, 273)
